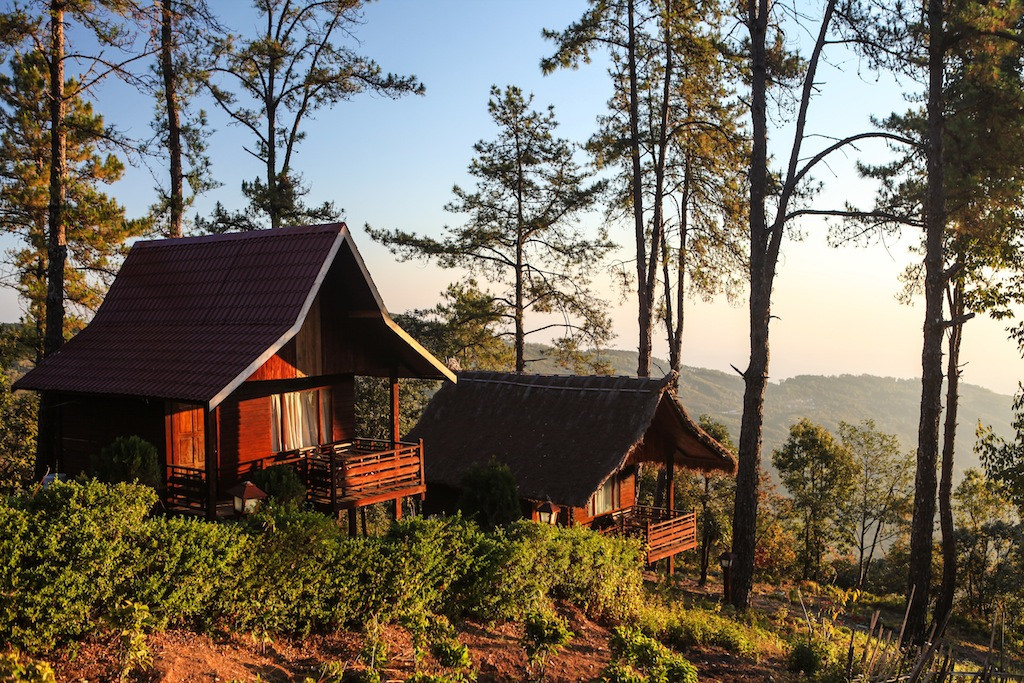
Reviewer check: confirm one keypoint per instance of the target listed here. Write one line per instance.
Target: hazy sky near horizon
(393, 163)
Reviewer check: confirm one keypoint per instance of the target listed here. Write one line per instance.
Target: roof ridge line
(565, 387)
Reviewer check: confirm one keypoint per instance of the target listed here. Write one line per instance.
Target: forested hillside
(892, 403)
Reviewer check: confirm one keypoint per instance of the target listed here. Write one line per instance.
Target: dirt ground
(183, 657)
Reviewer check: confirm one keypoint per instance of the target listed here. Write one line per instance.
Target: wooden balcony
(351, 474)
(338, 476)
(664, 532)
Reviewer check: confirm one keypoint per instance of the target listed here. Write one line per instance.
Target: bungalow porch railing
(337, 476)
(186, 488)
(347, 474)
(665, 532)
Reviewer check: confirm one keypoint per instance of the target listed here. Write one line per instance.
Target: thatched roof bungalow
(573, 443)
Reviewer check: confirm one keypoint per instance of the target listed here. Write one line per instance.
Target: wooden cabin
(573, 444)
(235, 352)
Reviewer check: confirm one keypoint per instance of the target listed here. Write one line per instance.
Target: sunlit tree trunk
(920, 572)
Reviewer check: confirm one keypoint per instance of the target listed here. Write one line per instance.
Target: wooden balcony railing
(338, 476)
(354, 473)
(186, 488)
(665, 532)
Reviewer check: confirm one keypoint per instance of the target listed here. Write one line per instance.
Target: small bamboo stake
(1002, 636)
(849, 657)
(871, 631)
(883, 660)
(927, 650)
(810, 626)
(986, 670)
(876, 650)
(906, 615)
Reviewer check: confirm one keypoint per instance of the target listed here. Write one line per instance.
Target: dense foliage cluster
(74, 552)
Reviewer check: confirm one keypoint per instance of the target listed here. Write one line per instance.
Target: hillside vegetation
(894, 404)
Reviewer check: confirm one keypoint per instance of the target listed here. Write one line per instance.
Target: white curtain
(296, 413)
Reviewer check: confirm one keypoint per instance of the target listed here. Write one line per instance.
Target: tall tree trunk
(520, 334)
(177, 196)
(920, 573)
(520, 331)
(643, 368)
(756, 375)
(944, 601)
(273, 191)
(56, 238)
(56, 234)
(706, 532)
(674, 305)
(649, 283)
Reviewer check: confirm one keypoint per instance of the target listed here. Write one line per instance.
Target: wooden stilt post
(211, 438)
(352, 528)
(670, 498)
(398, 509)
(395, 427)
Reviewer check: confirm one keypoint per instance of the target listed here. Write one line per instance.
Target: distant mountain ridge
(892, 403)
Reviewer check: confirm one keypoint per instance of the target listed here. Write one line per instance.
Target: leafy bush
(132, 621)
(489, 495)
(450, 654)
(76, 551)
(637, 658)
(128, 459)
(68, 554)
(811, 656)
(544, 634)
(280, 482)
(700, 628)
(17, 668)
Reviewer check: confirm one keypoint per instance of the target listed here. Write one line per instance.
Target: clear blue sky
(393, 163)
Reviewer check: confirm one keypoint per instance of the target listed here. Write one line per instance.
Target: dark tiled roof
(188, 318)
(561, 436)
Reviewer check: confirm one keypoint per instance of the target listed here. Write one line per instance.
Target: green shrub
(75, 552)
(128, 459)
(599, 574)
(300, 574)
(132, 621)
(187, 570)
(544, 634)
(700, 628)
(17, 668)
(374, 653)
(280, 482)
(811, 656)
(638, 658)
(489, 495)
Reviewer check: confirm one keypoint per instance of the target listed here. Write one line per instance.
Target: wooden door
(188, 445)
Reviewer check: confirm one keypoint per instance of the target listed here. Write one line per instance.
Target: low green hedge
(74, 551)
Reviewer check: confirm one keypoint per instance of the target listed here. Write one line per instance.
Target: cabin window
(607, 497)
(300, 419)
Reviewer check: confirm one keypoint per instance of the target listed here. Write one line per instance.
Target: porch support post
(395, 433)
(352, 522)
(211, 439)
(670, 498)
(398, 509)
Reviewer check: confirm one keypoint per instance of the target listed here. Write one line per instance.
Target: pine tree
(96, 225)
(960, 182)
(673, 134)
(185, 32)
(522, 233)
(270, 83)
